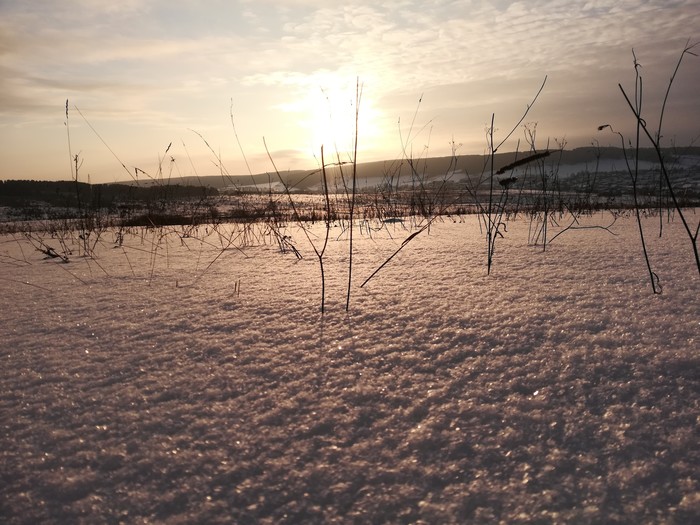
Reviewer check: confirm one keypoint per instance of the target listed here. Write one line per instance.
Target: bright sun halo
(327, 114)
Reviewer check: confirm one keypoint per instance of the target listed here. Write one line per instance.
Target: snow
(181, 379)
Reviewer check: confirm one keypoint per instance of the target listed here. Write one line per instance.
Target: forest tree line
(71, 194)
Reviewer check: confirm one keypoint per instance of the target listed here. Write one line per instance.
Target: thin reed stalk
(493, 226)
(655, 142)
(358, 96)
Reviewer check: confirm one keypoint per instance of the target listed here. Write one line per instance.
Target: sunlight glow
(326, 112)
(147, 72)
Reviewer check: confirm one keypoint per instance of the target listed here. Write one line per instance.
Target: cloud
(163, 62)
(461, 42)
(409, 43)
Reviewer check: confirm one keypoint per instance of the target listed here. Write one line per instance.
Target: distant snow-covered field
(192, 379)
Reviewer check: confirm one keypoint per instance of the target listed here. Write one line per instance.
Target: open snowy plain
(169, 380)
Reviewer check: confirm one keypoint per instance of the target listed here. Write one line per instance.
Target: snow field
(150, 388)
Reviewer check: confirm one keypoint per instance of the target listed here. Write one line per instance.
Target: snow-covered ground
(170, 380)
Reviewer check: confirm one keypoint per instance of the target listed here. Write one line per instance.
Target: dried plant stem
(319, 252)
(655, 141)
(358, 96)
(403, 245)
(492, 225)
(107, 145)
(491, 230)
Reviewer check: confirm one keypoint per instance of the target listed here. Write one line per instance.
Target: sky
(160, 88)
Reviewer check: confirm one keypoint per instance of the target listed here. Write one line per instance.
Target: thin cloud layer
(287, 66)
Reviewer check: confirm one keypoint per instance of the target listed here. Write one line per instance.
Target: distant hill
(371, 174)
(585, 176)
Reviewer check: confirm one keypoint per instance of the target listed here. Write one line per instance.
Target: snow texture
(171, 380)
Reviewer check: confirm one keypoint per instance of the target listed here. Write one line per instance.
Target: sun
(331, 120)
(331, 109)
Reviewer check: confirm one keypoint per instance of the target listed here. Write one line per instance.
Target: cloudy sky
(145, 74)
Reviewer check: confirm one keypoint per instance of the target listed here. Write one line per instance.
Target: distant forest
(71, 194)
